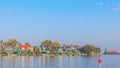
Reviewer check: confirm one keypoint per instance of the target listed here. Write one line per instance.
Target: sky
(95, 22)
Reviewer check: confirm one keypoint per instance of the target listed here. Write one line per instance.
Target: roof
(25, 46)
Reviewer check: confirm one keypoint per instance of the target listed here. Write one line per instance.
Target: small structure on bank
(58, 50)
(25, 49)
(17, 50)
(9, 50)
(110, 51)
(67, 49)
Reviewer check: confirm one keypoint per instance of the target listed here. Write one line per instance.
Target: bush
(4, 54)
(52, 52)
(75, 52)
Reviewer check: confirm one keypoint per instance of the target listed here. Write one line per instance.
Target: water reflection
(100, 65)
(58, 62)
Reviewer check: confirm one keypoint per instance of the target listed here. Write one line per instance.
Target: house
(17, 50)
(78, 48)
(58, 50)
(29, 47)
(3, 46)
(25, 48)
(44, 50)
(9, 50)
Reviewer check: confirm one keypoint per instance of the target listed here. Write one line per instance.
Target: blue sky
(67, 21)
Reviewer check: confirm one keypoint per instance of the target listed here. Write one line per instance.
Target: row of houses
(11, 49)
(27, 49)
(60, 50)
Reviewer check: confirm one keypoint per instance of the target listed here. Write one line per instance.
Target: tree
(4, 54)
(75, 52)
(30, 53)
(56, 44)
(37, 51)
(89, 49)
(27, 43)
(46, 43)
(12, 42)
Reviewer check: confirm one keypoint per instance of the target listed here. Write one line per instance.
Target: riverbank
(52, 55)
(99, 54)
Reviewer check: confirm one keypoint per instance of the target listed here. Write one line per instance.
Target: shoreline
(90, 55)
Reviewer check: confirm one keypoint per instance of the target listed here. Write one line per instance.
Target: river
(109, 61)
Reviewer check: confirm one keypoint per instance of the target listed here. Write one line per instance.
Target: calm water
(109, 61)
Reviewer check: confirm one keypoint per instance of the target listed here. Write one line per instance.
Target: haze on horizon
(67, 21)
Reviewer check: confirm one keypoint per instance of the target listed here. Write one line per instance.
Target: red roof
(22, 47)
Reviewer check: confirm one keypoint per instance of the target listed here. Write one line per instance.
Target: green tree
(46, 43)
(4, 54)
(38, 51)
(51, 53)
(30, 53)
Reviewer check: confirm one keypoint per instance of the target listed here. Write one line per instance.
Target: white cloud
(100, 4)
(116, 9)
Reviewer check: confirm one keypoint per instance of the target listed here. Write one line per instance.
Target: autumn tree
(27, 44)
(89, 49)
(46, 43)
(56, 44)
(12, 42)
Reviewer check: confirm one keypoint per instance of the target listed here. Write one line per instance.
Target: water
(109, 61)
